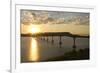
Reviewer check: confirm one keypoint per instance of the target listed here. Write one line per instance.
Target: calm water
(35, 49)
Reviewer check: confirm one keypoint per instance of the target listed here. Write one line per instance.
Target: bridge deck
(53, 34)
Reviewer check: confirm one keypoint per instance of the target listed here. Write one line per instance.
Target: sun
(34, 29)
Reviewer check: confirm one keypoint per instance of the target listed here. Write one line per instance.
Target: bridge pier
(47, 39)
(44, 38)
(74, 44)
(60, 42)
(52, 41)
(41, 38)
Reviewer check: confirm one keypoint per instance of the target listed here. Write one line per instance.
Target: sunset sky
(35, 21)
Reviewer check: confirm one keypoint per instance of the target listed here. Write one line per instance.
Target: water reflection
(34, 49)
(33, 52)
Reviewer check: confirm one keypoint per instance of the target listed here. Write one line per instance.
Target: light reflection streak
(33, 53)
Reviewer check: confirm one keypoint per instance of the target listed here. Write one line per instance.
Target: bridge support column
(44, 38)
(60, 42)
(41, 38)
(52, 41)
(47, 38)
(74, 45)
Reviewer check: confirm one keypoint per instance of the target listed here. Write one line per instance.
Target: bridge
(52, 34)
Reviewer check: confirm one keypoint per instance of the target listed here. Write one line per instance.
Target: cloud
(79, 20)
(45, 17)
(26, 17)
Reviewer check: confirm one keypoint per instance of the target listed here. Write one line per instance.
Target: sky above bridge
(34, 21)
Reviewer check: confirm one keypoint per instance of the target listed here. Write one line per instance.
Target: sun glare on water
(33, 50)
